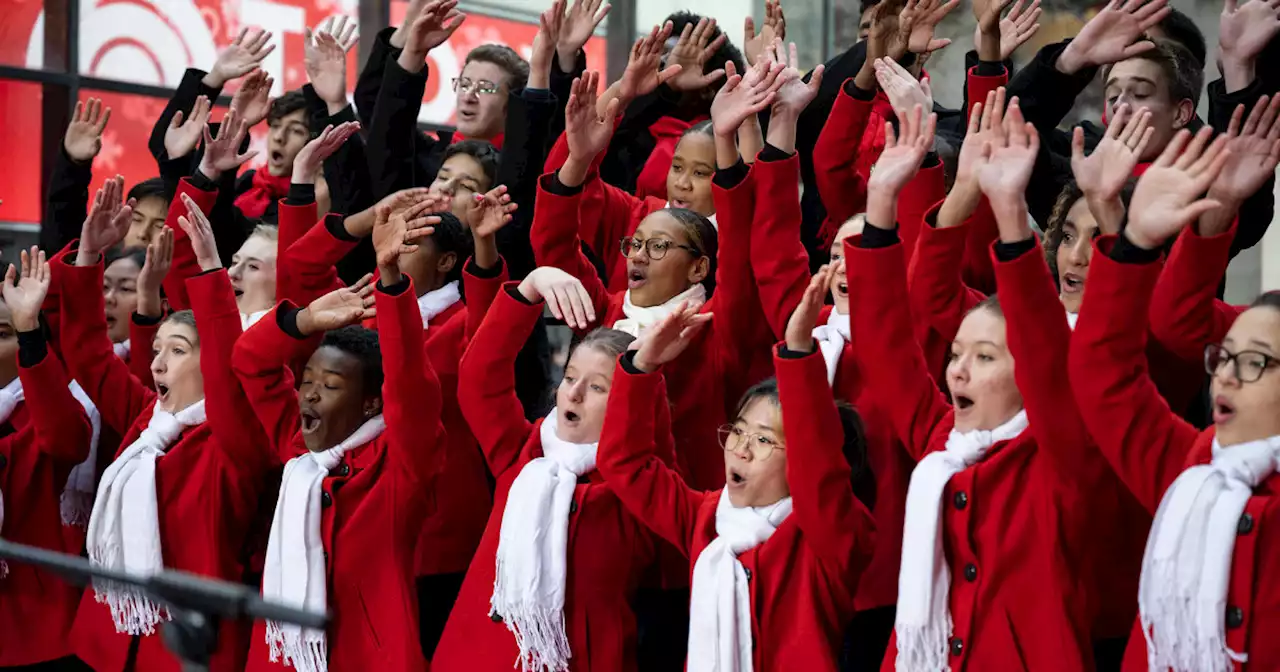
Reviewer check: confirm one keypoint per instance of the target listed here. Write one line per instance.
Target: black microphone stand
(195, 604)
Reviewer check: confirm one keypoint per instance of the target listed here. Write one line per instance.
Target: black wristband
(874, 237)
(147, 320)
(628, 362)
(287, 320)
(728, 178)
(484, 273)
(1125, 252)
(301, 194)
(787, 353)
(202, 182)
(1010, 251)
(552, 184)
(396, 289)
(32, 347)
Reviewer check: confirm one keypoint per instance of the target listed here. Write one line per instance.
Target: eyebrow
(1138, 80)
(1260, 344)
(184, 338)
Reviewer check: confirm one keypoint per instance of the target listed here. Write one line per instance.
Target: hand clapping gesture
(339, 308)
(564, 294)
(24, 294)
(239, 58)
(666, 340)
(200, 231)
(107, 222)
(83, 139)
(1167, 198)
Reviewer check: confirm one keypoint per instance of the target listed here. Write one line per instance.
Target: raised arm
(1186, 314)
(68, 197)
(1245, 188)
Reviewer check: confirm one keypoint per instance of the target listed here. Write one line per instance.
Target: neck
(250, 306)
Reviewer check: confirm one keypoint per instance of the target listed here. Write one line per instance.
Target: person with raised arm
(186, 481)
(50, 427)
(360, 440)
(1204, 593)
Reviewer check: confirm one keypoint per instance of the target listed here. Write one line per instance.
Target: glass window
(22, 33)
(20, 136)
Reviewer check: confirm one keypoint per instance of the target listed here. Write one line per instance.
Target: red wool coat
(184, 264)
(802, 580)
(609, 550)
(208, 482)
(1149, 447)
(782, 274)
(1186, 314)
(375, 502)
(50, 435)
(1013, 598)
(724, 358)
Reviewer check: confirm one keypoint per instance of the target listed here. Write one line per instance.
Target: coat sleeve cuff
(874, 237)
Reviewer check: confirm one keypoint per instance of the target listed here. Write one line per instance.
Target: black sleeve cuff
(728, 178)
(202, 182)
(484, 273)
(931, 160)
(553, 185)
(851, 89)
(287, 320)
(514, 292)
(874, 237)
(787, 353)
(1125, 252)
(301, 194)
(147, 320)
(1010, 251)
(32, 348)
(771, 153)
(989, 69)
(396, 289)
(336, 225)
(628, 363)
(538, 95)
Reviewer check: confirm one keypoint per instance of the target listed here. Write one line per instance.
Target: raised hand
(644, 68)
(1253, 152)
(24, 295)
(200, 231)
(902, 156)
(564, 294)
(905, 92)
(794, 94)
(360, 225)
(1243, 32)
(339, 308)
(579, 25)
(1006, 167)
(325, 56)
(918, 21)
(154, 269)
(252, 101)
(550, 26)
(586, 133)
(107, 222)
(1103, 174)
(744, 95)
(775, 26)
(1010, 32)
(239, 58)
(799, 333)
(437, 23)
(310, 159)
(666, 340)
(692, 52)
(83, 139)
(1167, 198)
(488, 213)
(395, 234)
(223, 152)
(1114, 34)
(183, 134)
(986, 126)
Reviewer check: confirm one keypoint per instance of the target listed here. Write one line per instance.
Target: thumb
(749, 29)
(1194, 211)
(711, 77)
(1077, 144)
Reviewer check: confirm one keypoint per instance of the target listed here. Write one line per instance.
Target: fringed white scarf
(710, 218)
(124, 529)
(924, 617)
(248, 319)
(831, 338)
(437, 301)
(532, 558)
(122, 349)
(295, 572)
(639, 319)
(720, 603)
(1182, 595)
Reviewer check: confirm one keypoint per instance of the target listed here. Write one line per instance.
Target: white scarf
(710, 218)
(639, 319)
(924, 582)
(1072, 318)
(720, 603)
(831, 338)
(122, 349)
(437, 301)
(1182, 595)
(295, 572)
(248, 319)
(124, 529)
(532, 558)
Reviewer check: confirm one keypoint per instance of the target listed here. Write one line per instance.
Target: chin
(279, 171)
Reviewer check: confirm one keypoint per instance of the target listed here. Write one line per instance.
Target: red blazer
(50, 436)
(803, 579)
(184, 264)
(1186, 314)
(208, 482)
(939, 296)
(1003, 520)
(608, 549)
(782, 274)
(375, 502)
(1149, 447)
(294, 284)
(719, 365)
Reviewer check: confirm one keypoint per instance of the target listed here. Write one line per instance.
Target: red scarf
(266, 188)
(666, 133)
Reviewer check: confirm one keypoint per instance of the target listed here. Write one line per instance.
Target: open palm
(1103, 174)
(1167, 197)
(342, 307)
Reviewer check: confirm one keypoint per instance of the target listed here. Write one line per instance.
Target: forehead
(761, 413)
(1256, 325)
(258, 247)
(696, 147)
(330, 359)
(1136, 70)
(591, 361)
(662, 225)
(981, 325)
(151, 207)
(171, 329)
(1080, 216)
(485, 70)
(297, 116)
(463, 164)
(122, 268)
(853, 227)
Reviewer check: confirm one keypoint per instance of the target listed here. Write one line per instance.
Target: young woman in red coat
(191, 442)
(1206, 601)
(361, 454)
(771, 590)
(560, 561)
(672, 257)
(999, 503)
(47, 434)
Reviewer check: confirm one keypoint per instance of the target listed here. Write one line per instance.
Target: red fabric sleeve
(921, 194)
(260, 361)
(1145, 443)
(52, 307)
(938, 294)
(778, 257)
(1186, 314)
(184, 256)
(141, 336)
(480, 293)
(294, 222)
(888, 355)
(309, 265)
(106, 379)
(487, 381)
(411, 399)
(983, 231)
(629, 461)
(837, 526)
(556, 243)
(843, 190)
(559, 154)
(979, 86)
(62, 429)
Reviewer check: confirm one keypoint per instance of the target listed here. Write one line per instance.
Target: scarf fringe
(131, 611)
(76, 507)
(1172, 643)
(539, 634)
(306, 650)
(923, 648)
(4, 569)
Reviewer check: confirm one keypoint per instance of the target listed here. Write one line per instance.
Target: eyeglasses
(481, 87)
(656, 248)
(1249, 364)
(732, 437)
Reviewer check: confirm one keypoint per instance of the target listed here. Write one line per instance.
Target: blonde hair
(269, 231)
